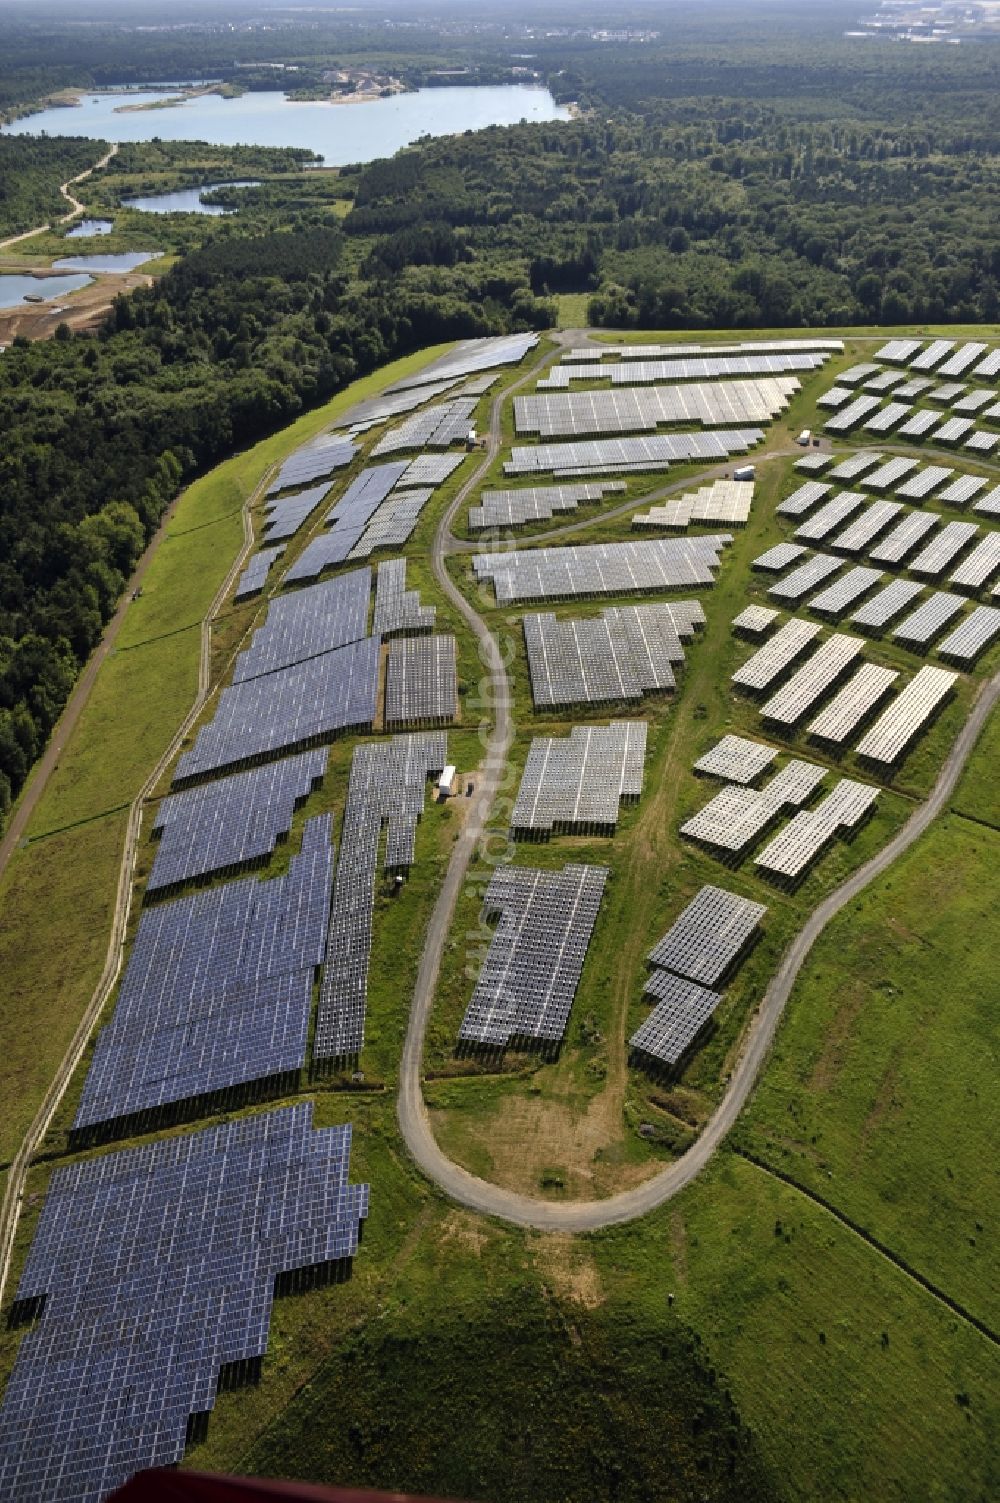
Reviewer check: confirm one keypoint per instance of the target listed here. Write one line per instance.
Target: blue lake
(185, 200)
(14, 289)
(125, 261)
(339, 132)
(87, 228)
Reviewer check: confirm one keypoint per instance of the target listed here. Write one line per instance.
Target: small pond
(17, 288)
(124, 261)
(184, 200)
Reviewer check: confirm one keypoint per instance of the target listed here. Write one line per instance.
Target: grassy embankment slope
(58, 891)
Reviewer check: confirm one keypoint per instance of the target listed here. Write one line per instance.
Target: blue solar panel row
(254, 576)
(229, 823)
(307, 623)
(296, 707)
(285, 517)
(157, 1268)
(348, 520)
(217, 992)
(388, 784)
(321, 457)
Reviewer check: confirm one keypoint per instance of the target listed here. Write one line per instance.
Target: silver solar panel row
(577, 783)
(933, 355)
(436, 427)
(535, 503)
(619, 455)
(602, 568)
(776, 655)
(683, 1011)
(888, 475)
(973, 635)
(470, 357)
(979, 566)
(398, 610)
(961, 491)
(975, 401)
(738, 816)
(571, 414)
(988, 505)
(755, 620)
(421, 684)
(882, 607)
(889, 417)
(815, 678)
(695, 368)
(896, 727)
(724, 502)
(806, 577)
(706, 940)
(736, 759)
(901, 351)
(863, 530)
(829, 517)
(928, 619)
(884, 381)
(841, 595)
(853, 414)
(284, 518)
(779, 557)
(803, 839)
(316, 460)
(944, 546)
(618, 656)
(849, 706)
(856, 464)
(804, 498)
(529, 978)
(924, 481)
(988, 367)
(953, 431)
(966, 355)
(388, 784)
(304, 624)
(903, 538)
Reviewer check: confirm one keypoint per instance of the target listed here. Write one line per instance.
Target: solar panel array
(845, 712)
(899, 350)
(297, 707)
(988, 367)
(806, 577)
(919, 628)
(435, 427)
(738, 816)
(884, 381)
(421, 684)
(656, 451)
(882, 607)
(981, 442)
(920, 423)
(316, 460)
(707, 939)
(254, 576)
(896, 727)
(858, 373)
(853, 414)
(619, 656)
(736, 759)
(779, 557)
(393, 523)
(285, 517)
(924, 481)
(692, 368)
(975, 401)
(430, 469)
(989, 505)
(532, 969)
(723, 501)
(309, 622)
(973, 635)
(683, 1010)
(933, 355)
(787, 644)
(953, 430)
(535, 503)
(903, 538)
(979, 566)
(856, 464)
(961, 491)
(836, 396)
(888, 475)
(398, 611)
(226, 824)
(393, 403)
(576, 783)
(944, 546)
(804, 498)
(814, 679)
(864, 529)
(738, 347)
(714, 404)
(829, 517)
(915, 386)
(472, 356)
(602, 568)
(889, 417)
(842, 594)
(794, 849)
(366, 517)
(964, 356)
(388, 784)
(157, 1267)
(755, 619)
(216, 994)
(812, 464)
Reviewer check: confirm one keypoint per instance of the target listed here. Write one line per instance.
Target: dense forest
(97, 434)
(720, 176)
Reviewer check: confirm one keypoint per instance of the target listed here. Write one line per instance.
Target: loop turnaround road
(414, 1123)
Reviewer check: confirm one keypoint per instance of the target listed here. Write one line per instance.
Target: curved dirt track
(76, 207)
(585, 1216)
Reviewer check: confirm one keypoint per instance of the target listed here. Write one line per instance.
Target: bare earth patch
(568, 1270)
(462, 1229)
